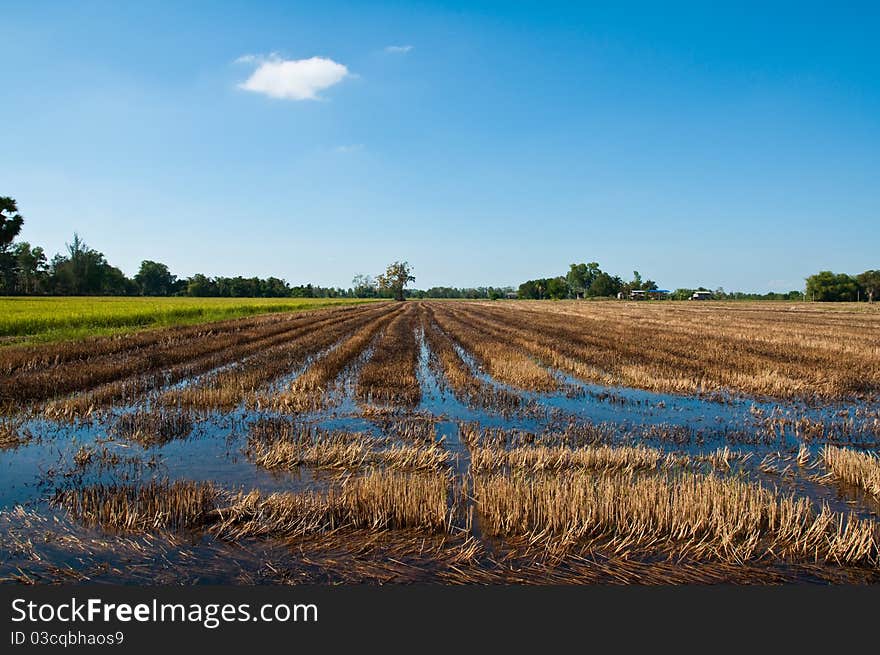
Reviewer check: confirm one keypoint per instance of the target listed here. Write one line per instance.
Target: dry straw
(151, 506)
(853, 467)
(702, 516)
(153, 427)
(558, 458)
(378, 500)
(352, 455)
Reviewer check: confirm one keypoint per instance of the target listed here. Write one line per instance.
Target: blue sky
(486, 143)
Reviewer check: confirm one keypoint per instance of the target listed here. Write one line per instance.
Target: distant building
(702, 295)
(653, 294)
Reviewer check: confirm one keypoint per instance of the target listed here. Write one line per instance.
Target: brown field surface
(451, 442)
(775, 349)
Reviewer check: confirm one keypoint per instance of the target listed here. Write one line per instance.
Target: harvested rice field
(451, 442)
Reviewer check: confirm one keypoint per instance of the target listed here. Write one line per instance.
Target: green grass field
(24, 320)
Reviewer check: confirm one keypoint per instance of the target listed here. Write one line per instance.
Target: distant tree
(534, 289)
(201, 286)
(830, 287)
(580, 277)
(10, 221)
(870, 283)
(154, 279)
(557, 289)
(31, 268)
(637, 283)
(80, 272)
(604, 285)
(527, 291)
(303, 291)
(363, 286)
(395, 278)
(113, 282)
(10, 225)
(274, 287)
(443, 292)
(85, 271)
(682, 294)
(243, 287)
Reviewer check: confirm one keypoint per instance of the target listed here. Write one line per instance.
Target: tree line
(392, 284)
(83, 271)
(826, 286)
(590, 281)
(583, 281)
(721, 294)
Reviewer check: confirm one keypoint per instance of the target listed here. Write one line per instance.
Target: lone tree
(395, 278)
(870, 282)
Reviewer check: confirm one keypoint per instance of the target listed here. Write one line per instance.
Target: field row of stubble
(216, 364)
(293, 363)
(776, 350)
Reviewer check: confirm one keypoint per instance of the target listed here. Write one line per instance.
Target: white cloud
(292, 79)
(352, 147)
(398, 49)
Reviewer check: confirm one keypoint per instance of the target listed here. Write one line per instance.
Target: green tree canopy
(154, 279)
(581, 276)
(363, 286)
(682, 294)
(395, 278)
(10, 225)
(200, 285)
(533, 289)
(605, 285)
(826, 286)
(870, 283)
(10, 221)
(557, 289)
(31, 268)
(85, 271)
